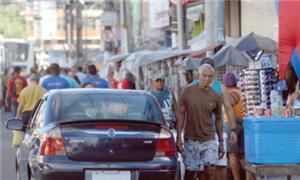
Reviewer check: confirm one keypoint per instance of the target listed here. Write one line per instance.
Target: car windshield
(70, 107)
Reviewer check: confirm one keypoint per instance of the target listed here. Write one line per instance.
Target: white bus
(16, 52)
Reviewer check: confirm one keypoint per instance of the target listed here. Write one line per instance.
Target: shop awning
(117, 58)
(142, 58)
(202, 53)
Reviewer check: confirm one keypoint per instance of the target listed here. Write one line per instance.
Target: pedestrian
(78, 72)
(88, 85)
(72, 82)
(197, 104)
(33, 70)
(117, 79)
(235, 150)
(4, 79)
(46, 75)
(165, 99)
(55, 81)
(28, 98)
(221, 164)
(128, 82)
(94, 78)
(14, 87)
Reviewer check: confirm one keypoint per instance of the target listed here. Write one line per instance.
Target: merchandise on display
(256, 86)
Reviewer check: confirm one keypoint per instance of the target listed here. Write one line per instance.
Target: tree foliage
(12, 25)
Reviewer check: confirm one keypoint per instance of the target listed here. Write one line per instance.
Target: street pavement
(7, 157)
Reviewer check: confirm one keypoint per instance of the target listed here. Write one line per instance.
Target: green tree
(12, 25)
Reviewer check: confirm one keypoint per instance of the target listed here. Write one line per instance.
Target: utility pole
(211, 22)
(181, 25)
(67, 29)
(220, 22)
(79, 23)
(128, 26)
(214, 22)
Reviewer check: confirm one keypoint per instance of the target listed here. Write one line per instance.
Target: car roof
(78, 91)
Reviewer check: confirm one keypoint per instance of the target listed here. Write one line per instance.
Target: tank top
(234, 95)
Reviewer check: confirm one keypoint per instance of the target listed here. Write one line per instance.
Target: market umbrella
(254, 42)
(228, 55)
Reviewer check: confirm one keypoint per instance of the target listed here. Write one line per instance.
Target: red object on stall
(289, 32)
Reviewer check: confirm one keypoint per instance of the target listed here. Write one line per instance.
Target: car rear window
(70, 107)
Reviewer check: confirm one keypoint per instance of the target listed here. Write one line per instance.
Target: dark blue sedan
(96, 134)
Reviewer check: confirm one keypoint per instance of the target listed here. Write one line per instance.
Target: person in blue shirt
(94, 79)
(55, 81)
(72, 82)
(165, 99)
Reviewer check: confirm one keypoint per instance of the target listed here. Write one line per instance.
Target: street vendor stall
(143, 65)
(272, 146)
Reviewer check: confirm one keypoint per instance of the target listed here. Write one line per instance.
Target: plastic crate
(271, 140)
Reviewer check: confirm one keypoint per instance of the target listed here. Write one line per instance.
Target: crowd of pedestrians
(207, 118)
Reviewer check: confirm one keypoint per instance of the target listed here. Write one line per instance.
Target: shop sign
(194, 12)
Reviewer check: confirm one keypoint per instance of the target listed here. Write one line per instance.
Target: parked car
(92, 134)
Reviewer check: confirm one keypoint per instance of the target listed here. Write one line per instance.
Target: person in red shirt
(128, 82)
(14, 87)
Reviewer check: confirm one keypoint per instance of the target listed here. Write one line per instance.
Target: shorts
(239, 146)
(198, 154)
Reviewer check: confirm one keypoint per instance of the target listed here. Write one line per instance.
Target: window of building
(60, 24)
(29, 26)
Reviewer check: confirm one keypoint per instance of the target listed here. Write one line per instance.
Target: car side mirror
(14, 124)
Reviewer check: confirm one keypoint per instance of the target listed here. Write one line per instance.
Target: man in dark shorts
(235, 150)
(196, 106)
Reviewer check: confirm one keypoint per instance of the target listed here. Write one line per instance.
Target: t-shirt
(96, 81)
(15, 86)
(127, 85)
(200, 105)
(55, 82)
(165, 100)
(30, 96)
(72, 82)
(217, 87)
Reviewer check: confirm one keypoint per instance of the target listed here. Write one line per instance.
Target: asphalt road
(7, 157)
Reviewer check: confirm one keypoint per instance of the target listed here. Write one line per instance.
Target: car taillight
(165, 145)
(53, 143)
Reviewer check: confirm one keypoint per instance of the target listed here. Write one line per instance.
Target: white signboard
(48, 19)
(159, 14)
(109, 18)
